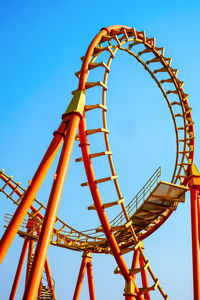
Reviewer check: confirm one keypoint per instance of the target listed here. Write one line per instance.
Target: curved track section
(120, 235)
(111, 39)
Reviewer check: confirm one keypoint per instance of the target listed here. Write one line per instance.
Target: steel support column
(81, 275)
(144, 277)
(52, 207)
(19, 270)
(90, 280)
(29, 196)
(195, 242)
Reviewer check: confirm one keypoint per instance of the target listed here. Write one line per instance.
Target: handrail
(141, 195)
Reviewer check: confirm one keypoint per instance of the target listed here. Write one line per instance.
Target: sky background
(41, 46)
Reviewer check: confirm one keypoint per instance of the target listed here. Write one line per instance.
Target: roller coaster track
(156, 201)
(93, 240)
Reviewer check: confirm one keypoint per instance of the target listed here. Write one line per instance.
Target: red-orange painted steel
(90, 280)
(19, 270)
(51, 211)
(90, 50)
(129, 297)
(49, 278)
(34, 186)
(135, 261)
(198, 209)
(80, 278)
(39, 290)
(98, 203)
(29, 260)
(195, 242)
(144, 277)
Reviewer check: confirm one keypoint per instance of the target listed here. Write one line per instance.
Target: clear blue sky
(41, 46)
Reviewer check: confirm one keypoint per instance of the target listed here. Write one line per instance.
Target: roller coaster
(40, 226)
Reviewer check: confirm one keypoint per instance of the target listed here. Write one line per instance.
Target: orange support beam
(32, 190)
(135, 261)
(90, 280)
(194, 186)
(52, 207)
(144, 277)
(19, 270)
(84, 262)
(198, 209)
(195, 242)
(98, 203)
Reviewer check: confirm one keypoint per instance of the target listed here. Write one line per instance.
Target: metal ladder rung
(99, 49)
(110, 204)
(185, 152)
(137, 270)
(186, 164)
(178, 115)
(94, 106)
(147, 50)
(170, 80)
(89, 85)
(93, 131)
(148, 289)
(106, 205)
(135, 247)
(101, 180)
(180, 176)
(93, 65)
(124, 226)
(187, 139)
(153, 60)
(93, 155)
(175, 103)
(172, 92)
(160, 70)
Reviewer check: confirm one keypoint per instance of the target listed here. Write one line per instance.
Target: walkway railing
(93, 235)
(141, 196)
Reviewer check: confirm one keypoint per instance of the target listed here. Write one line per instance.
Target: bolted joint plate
(77, 103)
